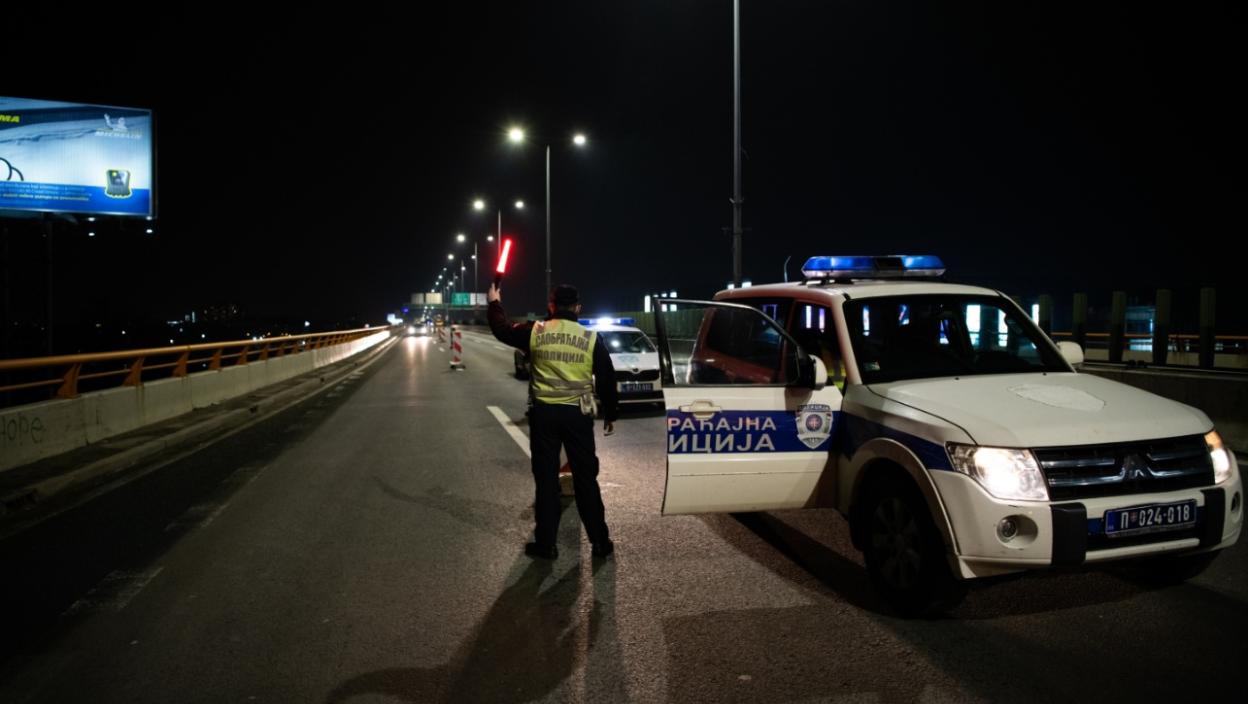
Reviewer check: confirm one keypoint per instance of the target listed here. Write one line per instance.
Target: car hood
(1047, 410)
(629, 362)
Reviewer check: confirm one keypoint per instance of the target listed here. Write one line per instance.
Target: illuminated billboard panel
(75, 158)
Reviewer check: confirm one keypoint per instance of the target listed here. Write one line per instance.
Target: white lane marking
(213, 516)
(510, 426)
(115, 591)
(200, 514)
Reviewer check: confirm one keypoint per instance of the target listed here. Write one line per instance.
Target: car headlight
(1220, 455)
(1005, 473)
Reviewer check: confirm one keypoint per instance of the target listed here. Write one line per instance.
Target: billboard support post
(47, 236)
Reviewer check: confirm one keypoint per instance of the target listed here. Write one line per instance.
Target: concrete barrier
(35, 431)
(1223, 397)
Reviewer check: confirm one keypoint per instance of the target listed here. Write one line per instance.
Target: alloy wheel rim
(895, 540)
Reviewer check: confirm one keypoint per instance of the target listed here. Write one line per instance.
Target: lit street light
(516, 136)
(479, 204)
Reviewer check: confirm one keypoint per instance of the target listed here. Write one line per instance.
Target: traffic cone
(457, 348)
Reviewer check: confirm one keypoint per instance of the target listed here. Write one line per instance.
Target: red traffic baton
(503, 256)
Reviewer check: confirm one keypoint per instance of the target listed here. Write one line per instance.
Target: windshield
(629, 342)
(923, 336)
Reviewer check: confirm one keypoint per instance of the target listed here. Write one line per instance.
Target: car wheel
(521, 372)
(904, 553)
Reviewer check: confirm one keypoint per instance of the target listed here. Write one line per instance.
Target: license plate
(1150, 519)
(632, 388)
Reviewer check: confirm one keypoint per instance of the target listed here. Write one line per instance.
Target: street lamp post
(497, 238)
(516, 136)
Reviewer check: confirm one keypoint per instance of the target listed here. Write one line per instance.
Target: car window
(716, 344)
(626, 342)
(923, 336)
(775, 308)
(813, 328)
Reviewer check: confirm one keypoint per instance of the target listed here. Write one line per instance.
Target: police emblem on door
(814, 424)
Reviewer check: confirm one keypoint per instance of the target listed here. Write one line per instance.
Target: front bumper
(1067, 533)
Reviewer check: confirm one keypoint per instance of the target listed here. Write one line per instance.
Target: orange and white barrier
(457, 348)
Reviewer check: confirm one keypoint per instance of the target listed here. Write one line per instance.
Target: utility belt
(562, 389)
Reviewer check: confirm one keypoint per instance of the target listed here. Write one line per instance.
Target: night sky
(318, 166)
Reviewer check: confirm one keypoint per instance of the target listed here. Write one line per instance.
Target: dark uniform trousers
(550, 426)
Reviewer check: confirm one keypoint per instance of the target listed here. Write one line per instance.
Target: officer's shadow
(526, 646)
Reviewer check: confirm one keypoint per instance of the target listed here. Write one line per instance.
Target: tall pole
(737, 199)
(475, 283)
(548, 284)
(47, 234)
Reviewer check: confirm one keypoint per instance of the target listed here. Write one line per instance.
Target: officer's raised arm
(512, 335)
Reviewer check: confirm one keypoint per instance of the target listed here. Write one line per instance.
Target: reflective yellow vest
(561, 354)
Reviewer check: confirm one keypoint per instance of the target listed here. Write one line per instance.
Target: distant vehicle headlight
(411, 329)
(1220, 455)
(1005, 473)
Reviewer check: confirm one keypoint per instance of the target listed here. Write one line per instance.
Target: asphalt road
(366, 547)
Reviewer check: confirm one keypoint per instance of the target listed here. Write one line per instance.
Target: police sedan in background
(634, 356)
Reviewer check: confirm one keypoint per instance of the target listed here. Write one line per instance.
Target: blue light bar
(886, 267)
(599, 322)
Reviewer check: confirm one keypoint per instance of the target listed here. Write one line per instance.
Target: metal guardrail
(1177, 342)
(67, 372)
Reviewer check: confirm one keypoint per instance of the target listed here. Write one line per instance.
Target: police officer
(565, 360)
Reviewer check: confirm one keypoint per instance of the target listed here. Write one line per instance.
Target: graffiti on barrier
(21, 429)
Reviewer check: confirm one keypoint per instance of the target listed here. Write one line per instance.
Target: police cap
(564, 295)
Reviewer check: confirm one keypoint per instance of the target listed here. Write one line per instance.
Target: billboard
(465, 299)
(75, 158)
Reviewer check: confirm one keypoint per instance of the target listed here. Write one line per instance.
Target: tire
(904, 553)
(521, 372)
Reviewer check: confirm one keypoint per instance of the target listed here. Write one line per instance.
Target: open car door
(749, 415)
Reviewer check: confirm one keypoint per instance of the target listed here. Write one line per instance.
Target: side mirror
(811, 373)
(1071, 352)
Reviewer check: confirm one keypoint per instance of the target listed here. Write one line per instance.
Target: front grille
(646, 375)
(1089, 471)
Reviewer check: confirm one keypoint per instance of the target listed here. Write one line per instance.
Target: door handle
(702, 410)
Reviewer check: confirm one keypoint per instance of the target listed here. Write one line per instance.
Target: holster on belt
(589, 405)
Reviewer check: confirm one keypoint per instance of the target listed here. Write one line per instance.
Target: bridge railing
(57, 404)
(20, 379)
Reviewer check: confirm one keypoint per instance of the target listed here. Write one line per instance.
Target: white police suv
(954, 435)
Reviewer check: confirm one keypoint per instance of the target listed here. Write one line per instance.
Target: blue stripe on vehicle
(731, 432)
(854, 432)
